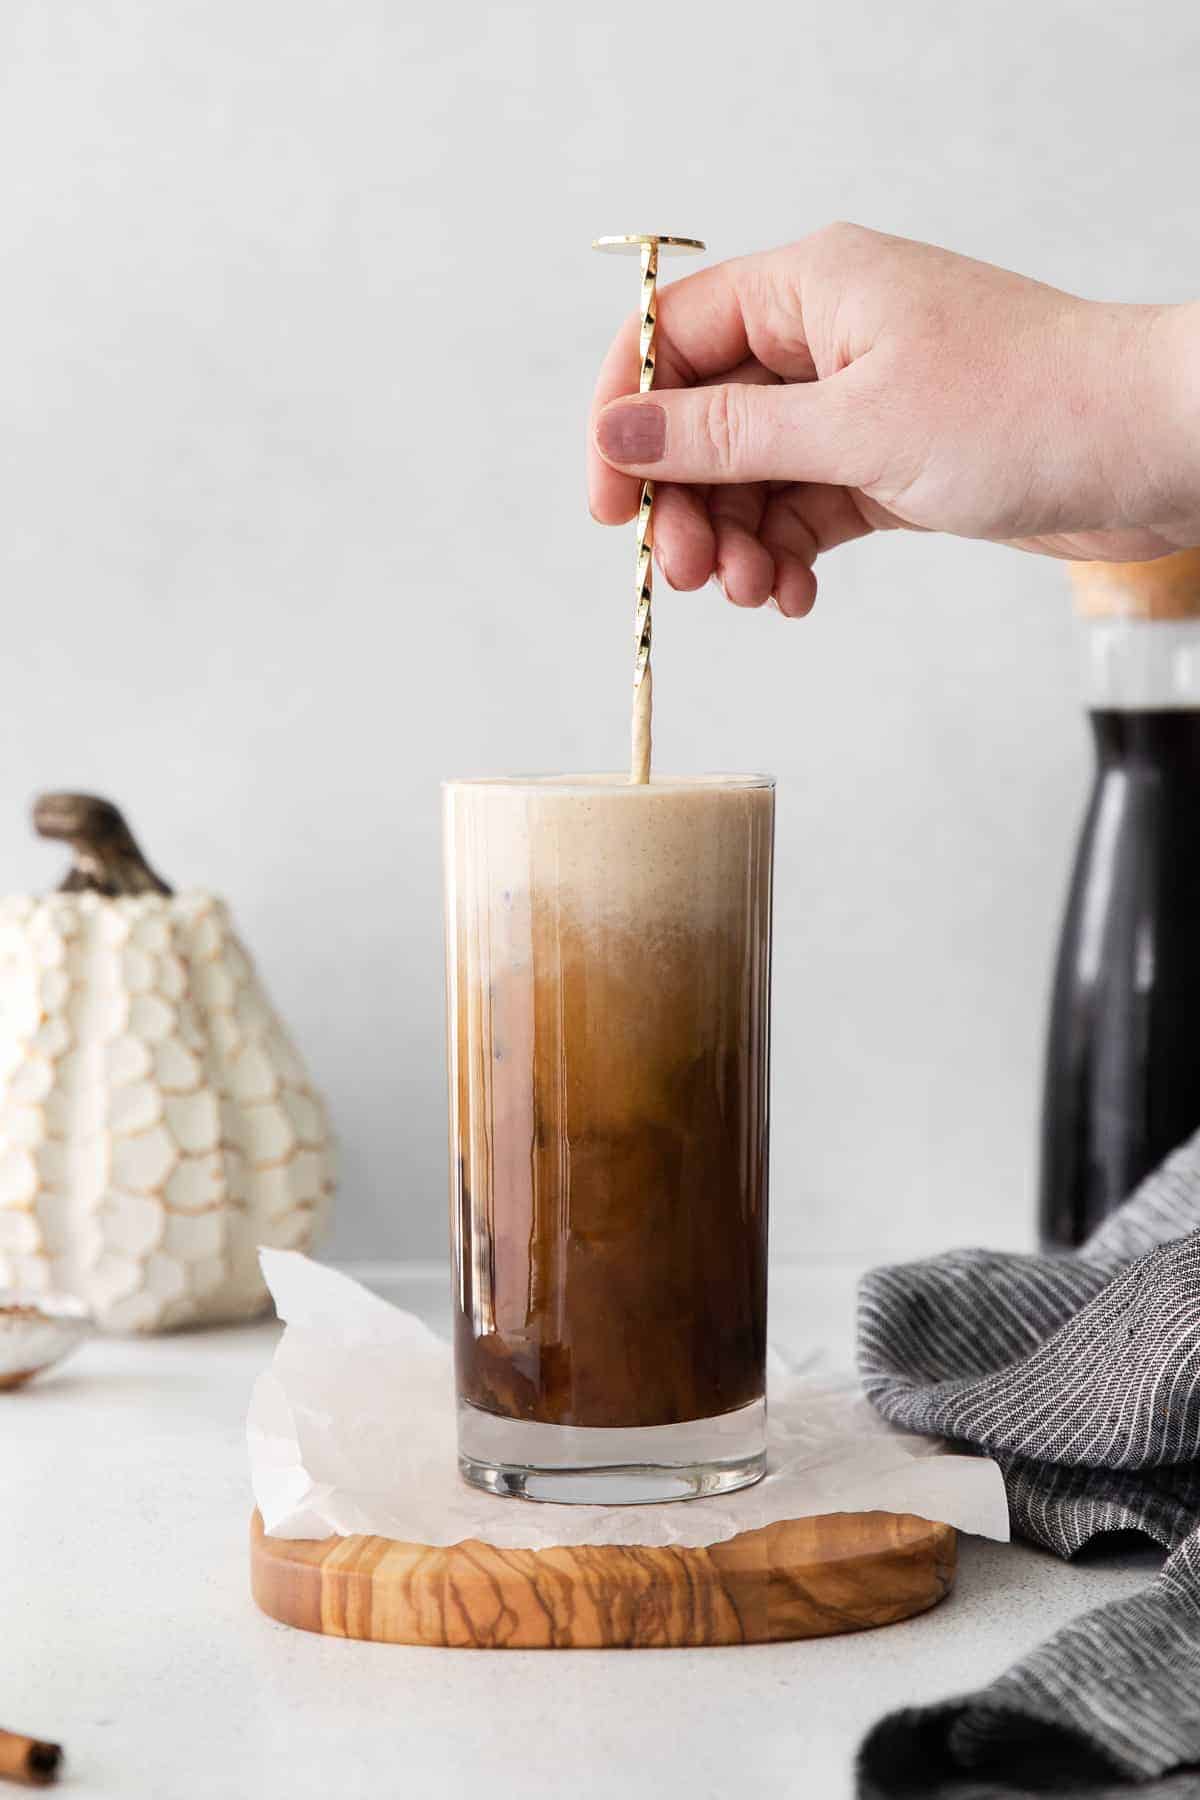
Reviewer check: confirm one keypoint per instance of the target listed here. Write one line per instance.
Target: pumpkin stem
(107, 858)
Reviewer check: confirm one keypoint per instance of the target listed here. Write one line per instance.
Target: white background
(298, 322)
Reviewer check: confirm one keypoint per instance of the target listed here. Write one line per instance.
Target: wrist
(1168, 422)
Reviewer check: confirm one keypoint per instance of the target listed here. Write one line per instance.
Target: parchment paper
(351, 1429)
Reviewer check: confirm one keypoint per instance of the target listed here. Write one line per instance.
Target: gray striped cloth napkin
(1080, 1374)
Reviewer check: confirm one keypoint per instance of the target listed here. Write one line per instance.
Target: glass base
(588, 1466)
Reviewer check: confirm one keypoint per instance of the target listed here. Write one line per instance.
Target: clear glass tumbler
(608, 976)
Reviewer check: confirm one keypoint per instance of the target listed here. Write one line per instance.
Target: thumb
(735, 432)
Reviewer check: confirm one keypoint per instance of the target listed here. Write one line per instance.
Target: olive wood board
(799, 1578)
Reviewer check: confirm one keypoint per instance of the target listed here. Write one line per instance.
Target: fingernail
(632, 433)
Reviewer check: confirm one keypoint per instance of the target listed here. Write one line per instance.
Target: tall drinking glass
(608, 964)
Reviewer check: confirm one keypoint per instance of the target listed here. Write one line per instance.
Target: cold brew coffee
(609, 962)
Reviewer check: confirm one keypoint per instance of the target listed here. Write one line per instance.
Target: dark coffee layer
(642, 1279)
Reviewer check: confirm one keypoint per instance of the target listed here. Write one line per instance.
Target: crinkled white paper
(352, 1429)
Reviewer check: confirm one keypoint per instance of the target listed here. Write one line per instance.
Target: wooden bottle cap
(1168, 588)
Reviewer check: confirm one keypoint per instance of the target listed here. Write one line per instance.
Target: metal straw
(648, 245)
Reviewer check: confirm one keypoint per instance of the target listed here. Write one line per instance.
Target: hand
(855, 382)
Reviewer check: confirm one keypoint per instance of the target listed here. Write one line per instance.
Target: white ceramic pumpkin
(156, 1122)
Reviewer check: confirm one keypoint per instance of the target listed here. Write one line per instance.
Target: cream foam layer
(692, 852)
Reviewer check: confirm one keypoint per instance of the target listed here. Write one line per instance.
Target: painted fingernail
(632, 433)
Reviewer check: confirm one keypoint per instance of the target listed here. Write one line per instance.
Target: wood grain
(797, 1579)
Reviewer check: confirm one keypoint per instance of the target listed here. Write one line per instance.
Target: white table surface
(129, 1633)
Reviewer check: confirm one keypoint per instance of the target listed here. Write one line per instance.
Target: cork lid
(1168, 588)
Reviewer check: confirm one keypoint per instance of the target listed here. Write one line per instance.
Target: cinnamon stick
(28, 1759)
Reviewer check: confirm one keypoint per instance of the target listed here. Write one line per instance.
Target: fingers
(684, 534)
(685, 545)
(744, 566)
(798, 524)
(736, 432)
(760, 542)
(795, 588)
(826, 516)
(708, 323)
(750, 475)
(749, 306)
(612, 496)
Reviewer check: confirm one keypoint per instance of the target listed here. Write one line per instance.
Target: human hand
(855, 382)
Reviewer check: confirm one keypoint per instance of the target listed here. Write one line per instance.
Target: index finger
(708, 324)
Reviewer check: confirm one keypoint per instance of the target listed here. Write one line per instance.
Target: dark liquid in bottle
(1123, 1059)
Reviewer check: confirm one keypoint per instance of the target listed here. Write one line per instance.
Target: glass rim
(610, 782)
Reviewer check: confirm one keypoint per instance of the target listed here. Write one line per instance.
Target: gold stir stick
(647, 245)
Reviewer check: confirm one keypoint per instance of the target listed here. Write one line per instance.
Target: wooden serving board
(797, 1579)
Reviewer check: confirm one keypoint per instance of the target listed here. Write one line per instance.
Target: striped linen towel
(1080, 1374)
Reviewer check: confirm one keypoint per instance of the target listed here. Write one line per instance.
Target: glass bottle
(1122, 1079)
